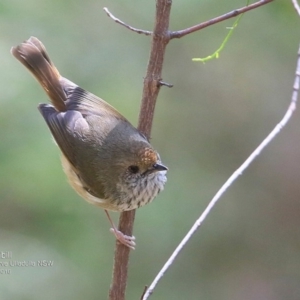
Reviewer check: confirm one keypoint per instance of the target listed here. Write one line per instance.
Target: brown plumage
(107, 161)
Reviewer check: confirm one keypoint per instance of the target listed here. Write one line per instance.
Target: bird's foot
(123, 238)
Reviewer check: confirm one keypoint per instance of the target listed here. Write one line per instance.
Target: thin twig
(234, 13)
(140, 31)
(145, 289)
(232, 178)
(169, 85)
(296, 6)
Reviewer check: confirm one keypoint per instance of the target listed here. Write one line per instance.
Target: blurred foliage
(205, 127)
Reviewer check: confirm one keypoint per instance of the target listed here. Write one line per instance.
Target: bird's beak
(159, 167)
(156, 168)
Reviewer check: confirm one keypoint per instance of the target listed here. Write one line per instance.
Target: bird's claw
(124, 239)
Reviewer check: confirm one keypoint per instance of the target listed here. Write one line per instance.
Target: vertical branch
(121, 260)
(152, 83)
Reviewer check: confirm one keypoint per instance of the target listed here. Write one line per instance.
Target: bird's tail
(32, 54)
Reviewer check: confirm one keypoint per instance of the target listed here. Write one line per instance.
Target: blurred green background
(204, 128)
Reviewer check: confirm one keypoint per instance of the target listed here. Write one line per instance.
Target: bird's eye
(133, 169)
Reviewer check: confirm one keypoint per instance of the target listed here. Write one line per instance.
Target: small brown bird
(108, 162)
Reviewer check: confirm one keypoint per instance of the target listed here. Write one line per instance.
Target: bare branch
(121, 259)
(160, 38)
(296, 6)
(231, 179)
(140, 31)
(234, 13)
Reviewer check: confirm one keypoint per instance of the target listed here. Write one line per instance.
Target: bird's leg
(120, 236)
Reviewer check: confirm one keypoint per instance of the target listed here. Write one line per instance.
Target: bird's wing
(86, 102)
(68, 129)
